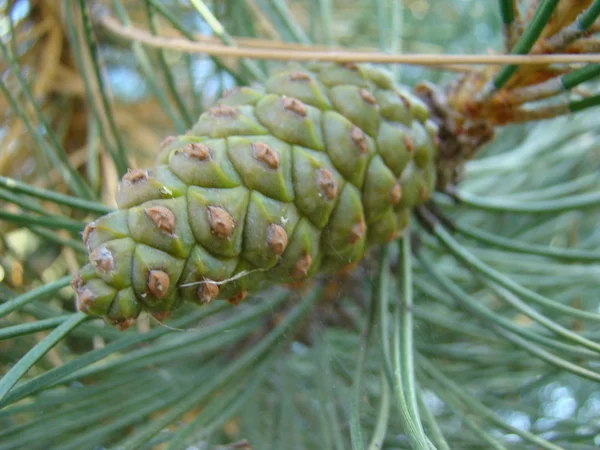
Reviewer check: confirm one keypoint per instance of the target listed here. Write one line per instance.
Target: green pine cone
(269, 187)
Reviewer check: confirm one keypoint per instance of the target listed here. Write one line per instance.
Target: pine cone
(267, 188)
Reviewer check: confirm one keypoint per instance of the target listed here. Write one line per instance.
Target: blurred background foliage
(481, 337)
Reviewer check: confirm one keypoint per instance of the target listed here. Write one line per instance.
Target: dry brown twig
(276, 54)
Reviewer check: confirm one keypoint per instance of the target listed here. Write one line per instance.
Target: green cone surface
(269, 187)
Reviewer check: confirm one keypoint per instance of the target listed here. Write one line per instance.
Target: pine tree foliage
(479, 328)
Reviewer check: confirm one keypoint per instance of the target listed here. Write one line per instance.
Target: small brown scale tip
(345, 271)
(396, 194)
(237, 298)
(207, 292)
(230, 92)
(408, 143)
(220, 222)
(135, 176)
(404, 100)
(366, 95)
(327, 183)
(277, 239)
(122, 324)
(161, 316)
(423, 193)
(76, 282)
(294, 105)
(263, 153)
(358, 137)
(394, 235)
(163, 218)
(350, 66)
(166, 141)
(302, 266)
(223, 111)
(87, 231)
(84, 300)
(158, 283)
(103, 259)
(197, 151)
(357, 232)
(299, 76)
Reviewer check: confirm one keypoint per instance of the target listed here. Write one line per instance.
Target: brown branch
(528, 115)
(534, 92)
(187, 46)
